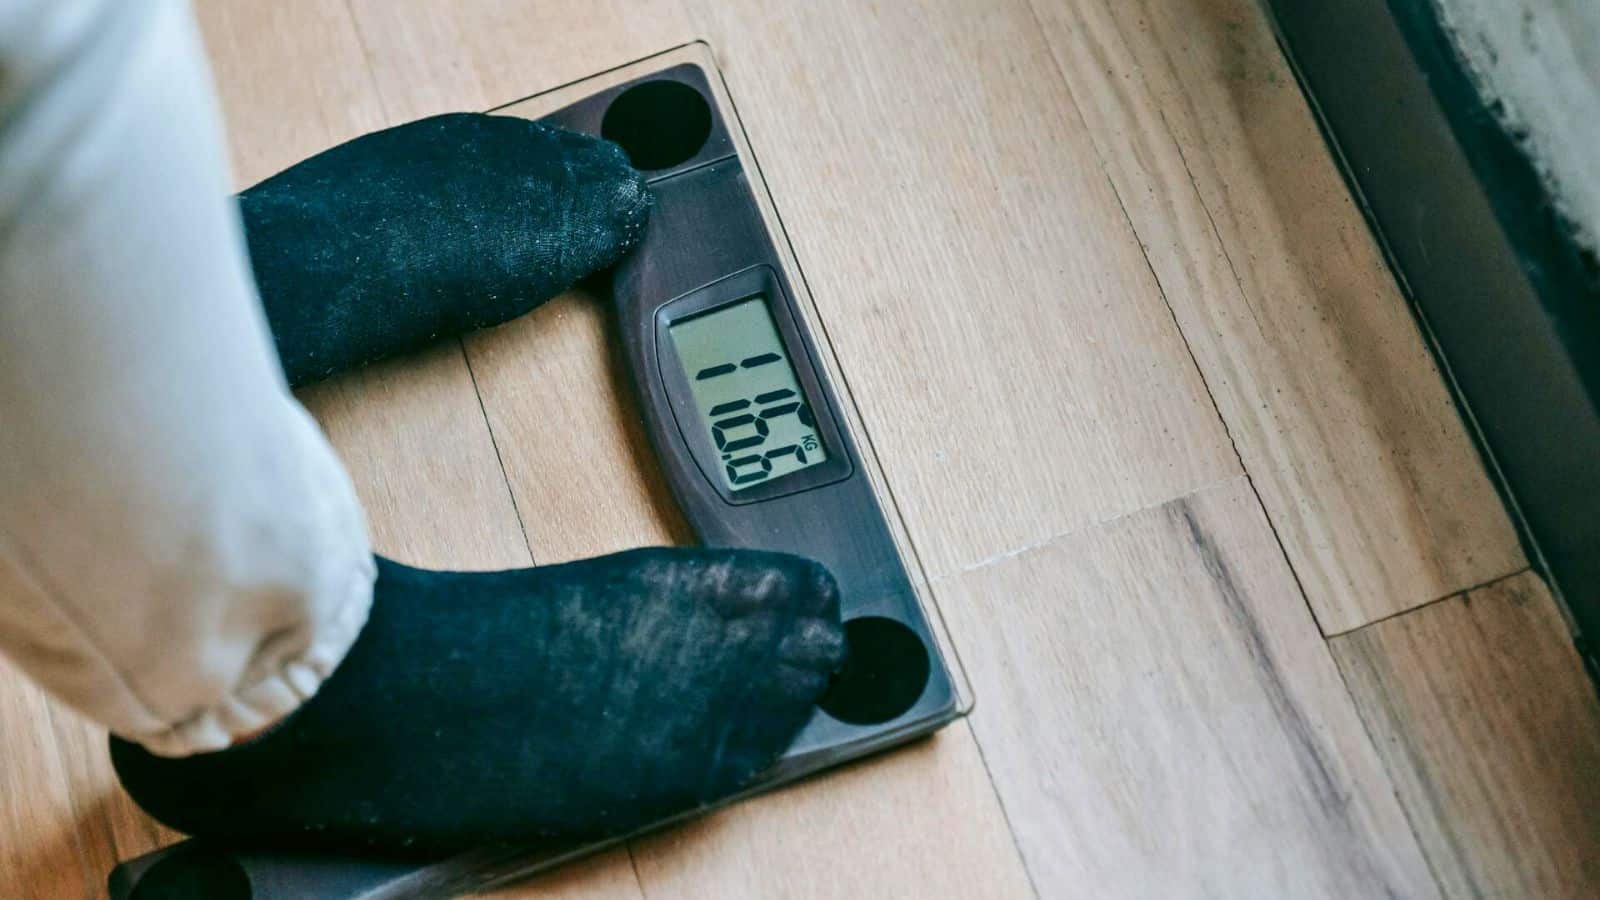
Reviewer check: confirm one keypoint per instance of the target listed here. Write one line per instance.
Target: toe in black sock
(429, 229)
(569, 701)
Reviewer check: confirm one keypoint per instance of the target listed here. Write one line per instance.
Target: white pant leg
(182, 557)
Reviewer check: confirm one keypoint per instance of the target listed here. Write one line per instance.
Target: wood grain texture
(41, 853)
(995, 205)
(582, 471)
(576, 459)
(412, 431)
(919, 823)
(576, 454)
(424, 464)
(436, 56)
(1480, 708)
(111, 828)
(1162, 717)
(1032, 386)
(1003, 335)
(579, 465)
(292, 79)
(607, 876)
(1317, 366)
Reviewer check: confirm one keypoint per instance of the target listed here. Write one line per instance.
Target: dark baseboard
(1509, 302)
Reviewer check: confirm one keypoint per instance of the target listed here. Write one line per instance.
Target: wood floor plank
(293, 80)
(576, 459)
(1163, 719)
(41, 854)
(575, 450)
(605, 876)
(1302, 333)
(1085, 333)
(436, 56)
(999, 327)
(412, 431)
(1482, 710)
(1158, 709)
(111, 827)
(413, 437)
(585, 482)
(921, 823)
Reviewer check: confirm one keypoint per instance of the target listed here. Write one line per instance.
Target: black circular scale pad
(884, 676)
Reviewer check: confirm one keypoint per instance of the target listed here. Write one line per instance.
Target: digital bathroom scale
(756, 436)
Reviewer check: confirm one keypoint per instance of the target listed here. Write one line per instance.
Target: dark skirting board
(1507, 300)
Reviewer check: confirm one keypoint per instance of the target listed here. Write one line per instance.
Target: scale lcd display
(747, 393)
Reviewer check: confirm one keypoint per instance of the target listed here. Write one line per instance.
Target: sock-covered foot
(430, 229)
(568, 701)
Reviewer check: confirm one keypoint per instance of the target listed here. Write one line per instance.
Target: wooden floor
(1243, 615)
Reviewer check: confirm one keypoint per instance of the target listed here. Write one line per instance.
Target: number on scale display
(747, 393)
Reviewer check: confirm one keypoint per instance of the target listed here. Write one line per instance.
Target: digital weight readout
(747, 393)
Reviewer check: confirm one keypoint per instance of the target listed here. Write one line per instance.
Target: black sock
(567, 701)
(430, 229)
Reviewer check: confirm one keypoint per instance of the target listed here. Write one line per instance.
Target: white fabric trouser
(182, 557)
